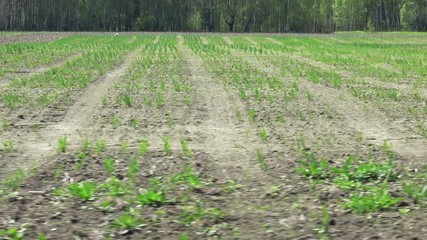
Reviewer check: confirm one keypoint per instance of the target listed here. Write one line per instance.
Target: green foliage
(83, 190)
(185, 148)
(188, 177)
(377, 199)
(313, 168)
(166, 144)
(100, 146)
(415, 191)
(133, 168)
(143, 147)
(62, 144)
(109, 166)
(351, 175)
(127, 221)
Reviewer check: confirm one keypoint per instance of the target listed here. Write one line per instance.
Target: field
(213, 136)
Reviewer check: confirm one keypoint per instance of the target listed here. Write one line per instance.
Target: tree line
(213, 15)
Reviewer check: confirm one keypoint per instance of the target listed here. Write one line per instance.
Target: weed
(350, 175)
(41, 237)
(83, 190)
(13, 234)
(106, 205)
(116, 188)
(232, 186)
(128, 221)
(311, 167)
(62, 144)
(189, 177)
(416, 192)
(377, 199)
(166, 145)
(152, 197)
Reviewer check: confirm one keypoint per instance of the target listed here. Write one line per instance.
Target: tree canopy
(214, 15)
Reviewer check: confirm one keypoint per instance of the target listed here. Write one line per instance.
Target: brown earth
(274, 203)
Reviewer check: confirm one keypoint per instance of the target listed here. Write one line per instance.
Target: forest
(313, 16)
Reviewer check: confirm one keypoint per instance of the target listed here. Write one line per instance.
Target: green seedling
(82, 161)
(14, 181)
(127, 100)
(166, 145)
(185, 148)
(309, 96)
(184, 236)
(135, 123)
(261, 160)
(85, 145)
(62, 144)
(41, 237)
(116, 122)
(187, 101)
(263, 134)
(133, 168)
(100, 146)
(323, 231)
(252, 115)
(160, 100)
(143, 147)
(83, 190)
(128, 221)
(109, 166)
(170, 120)
(8, 146)
(124, 147)
(377, 199)
(5, 125)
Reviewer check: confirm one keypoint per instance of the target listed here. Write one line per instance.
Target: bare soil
(256, 203)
